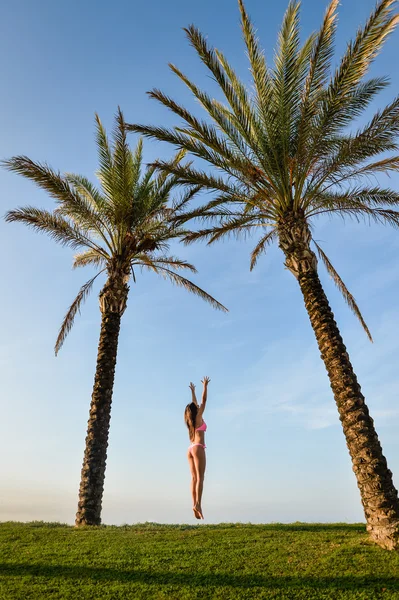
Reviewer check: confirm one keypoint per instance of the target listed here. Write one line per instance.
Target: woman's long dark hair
(190, 417)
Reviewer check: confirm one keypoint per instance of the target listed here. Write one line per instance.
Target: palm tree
(128, 224)
(284, 157)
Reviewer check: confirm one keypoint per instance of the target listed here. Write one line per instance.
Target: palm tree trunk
(374, 479)
(113, 300)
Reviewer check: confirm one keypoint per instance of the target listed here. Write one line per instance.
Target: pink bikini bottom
(192, 445)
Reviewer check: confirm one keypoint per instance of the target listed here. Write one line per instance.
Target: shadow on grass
(97, 574)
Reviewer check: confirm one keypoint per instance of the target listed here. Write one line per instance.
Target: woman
(196, 452)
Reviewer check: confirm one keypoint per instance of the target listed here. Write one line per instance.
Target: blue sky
(276, 451)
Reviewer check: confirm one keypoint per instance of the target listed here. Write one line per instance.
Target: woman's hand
(205, 381)
(192, 388)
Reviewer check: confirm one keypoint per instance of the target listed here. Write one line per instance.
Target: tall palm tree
(284, 157)
(125, 225)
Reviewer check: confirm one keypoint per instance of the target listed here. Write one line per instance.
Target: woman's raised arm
(193, 396)
(205, 383)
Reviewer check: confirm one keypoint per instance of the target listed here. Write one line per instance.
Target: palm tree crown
(283, 149)
(126, 224)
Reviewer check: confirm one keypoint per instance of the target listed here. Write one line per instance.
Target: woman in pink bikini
(196, 452)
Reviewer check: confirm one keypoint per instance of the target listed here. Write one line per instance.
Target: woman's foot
(196, 512)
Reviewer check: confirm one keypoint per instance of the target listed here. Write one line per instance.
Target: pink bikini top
(202, 427)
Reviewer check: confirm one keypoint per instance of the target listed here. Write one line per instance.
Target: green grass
(39, 560)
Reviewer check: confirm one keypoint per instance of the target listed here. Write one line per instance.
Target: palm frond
(163, 261)
(222, 116)
(160, 198)
(260, 73)
(261, 246)
(238, 226)
(162, 176)
(380, 166)
(362, 197)
(40, 173)
(89, 257)
(137, 163)
(187, 285)
(245, 117)
(319, 67)
(181, 203)
(217, 208)
(349, 299)
(378, 136)
(367, 45)
(56, 226)
(78, 207)
(264, 101)
(186, 140)
(84, 187)
(187, 175)
(286, 79)
(126, 169)
(100, 206)
(381, 216)
(163, 183)
(347, 176)
(356, 62)
(69, 318)
(207, 134)
(386, 165)
(322, 54)
(105, 172)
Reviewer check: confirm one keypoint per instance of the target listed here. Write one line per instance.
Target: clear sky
(276, 451)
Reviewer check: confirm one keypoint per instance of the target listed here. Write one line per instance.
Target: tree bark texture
(112, 304)
(374, 479)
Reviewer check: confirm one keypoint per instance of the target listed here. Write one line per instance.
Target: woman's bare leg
(193, 485)
(200, 464)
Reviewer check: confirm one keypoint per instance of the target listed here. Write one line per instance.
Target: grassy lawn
(41, 560)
